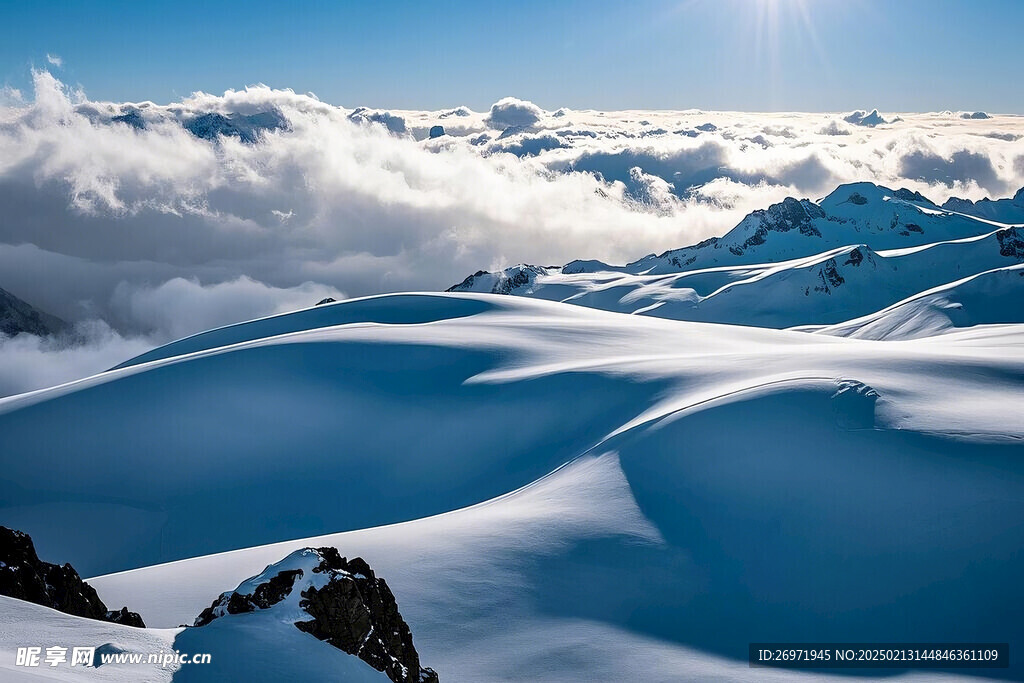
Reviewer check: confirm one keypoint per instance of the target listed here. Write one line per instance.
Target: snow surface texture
(163, 220)
(553, 492)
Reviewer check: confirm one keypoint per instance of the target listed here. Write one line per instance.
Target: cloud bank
(160, 220)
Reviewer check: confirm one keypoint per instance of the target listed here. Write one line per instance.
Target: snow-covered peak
(1000, 210)
(520, 277)
(17, 316)
(587, 266)
(337, 600)
(863, 118)
(855, 213)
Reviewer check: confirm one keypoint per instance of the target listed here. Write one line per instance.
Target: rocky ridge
(336, 600)
(25, 577)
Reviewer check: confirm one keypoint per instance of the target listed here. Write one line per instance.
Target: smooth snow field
(553, 492)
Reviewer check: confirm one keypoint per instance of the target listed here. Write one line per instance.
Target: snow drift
(553, 492)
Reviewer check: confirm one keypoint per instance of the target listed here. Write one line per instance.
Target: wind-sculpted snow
(650, 495)
(989, 298)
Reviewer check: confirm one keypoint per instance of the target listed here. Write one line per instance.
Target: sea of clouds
(120, 219)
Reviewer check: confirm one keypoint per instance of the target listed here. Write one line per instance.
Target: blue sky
(752, 55)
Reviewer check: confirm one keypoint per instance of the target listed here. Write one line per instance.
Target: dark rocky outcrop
(348, 605)
(328, 300)
(789, 214)
(436, 132)
(1011, 242)
(911, 196)
(265, 596)
(830, 277)
(504, 281)
(16, 317)
(25, 577)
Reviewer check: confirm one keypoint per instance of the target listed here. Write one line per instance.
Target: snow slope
(254, 648)
(992, 297)
(680, 489)
(564, 580)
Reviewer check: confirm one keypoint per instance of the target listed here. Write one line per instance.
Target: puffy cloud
(10, 97)
(117, 212)
(28, 362)
(962, 166)
(834, 127)
(180, 307)
(528, 145)
(394, 123)
(510, 112)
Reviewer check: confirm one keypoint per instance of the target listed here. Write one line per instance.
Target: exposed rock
(347, 606)
(328, 300)
(830, 277)
(265, 596)
(501, 282)
(789, 214)
(910, 196)
(25, 577)
(436, 132)
(1011, 242)
(123, 616)
(17, 316)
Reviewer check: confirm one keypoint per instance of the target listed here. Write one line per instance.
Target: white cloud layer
(28, 362)
(117, 212)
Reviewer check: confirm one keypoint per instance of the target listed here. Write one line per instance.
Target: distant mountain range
(814, 265)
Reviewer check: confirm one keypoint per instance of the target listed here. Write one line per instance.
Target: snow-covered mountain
(553, 492)
(857, 251)
(1002, 210)
(17, 316)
